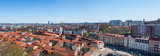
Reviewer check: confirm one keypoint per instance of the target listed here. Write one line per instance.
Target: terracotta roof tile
(87, 54)
(57, 47)
(93, 49)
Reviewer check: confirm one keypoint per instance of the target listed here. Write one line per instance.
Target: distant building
(49, 30)
(129, 22)
(52, 23)
(157, 31)
(138, 30)
(79, 32)
(115, 23)
(151, 30)
(48, 22)
(153, 22)
(137, 23)
(67, 32)
(158, 21)
(124, 23)
(61, 31)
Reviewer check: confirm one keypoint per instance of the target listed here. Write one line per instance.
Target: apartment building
(138, 43)
(150, 30)
(138, 30)
(129, 42)
(157, 31)
(154, 45)
(137, 23)
(114, 39)
(141, 44)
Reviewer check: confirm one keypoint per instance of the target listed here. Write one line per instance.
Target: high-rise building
(115, 23)
(129, 22)
(48, 22)
(143, 21)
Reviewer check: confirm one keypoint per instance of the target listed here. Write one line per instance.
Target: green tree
(28, 49)
(11, 50)
(13, 36)
(85, 34)
(103, 27)
(34, 39)
(84, 49)
(132, 52)
(118, 30)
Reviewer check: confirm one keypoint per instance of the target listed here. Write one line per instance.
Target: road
(119, 50)
(109, 50)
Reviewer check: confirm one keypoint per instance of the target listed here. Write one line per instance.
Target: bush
(11, 50)
(84, 49)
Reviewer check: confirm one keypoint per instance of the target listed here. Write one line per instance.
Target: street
(120, 51)
(109, 50)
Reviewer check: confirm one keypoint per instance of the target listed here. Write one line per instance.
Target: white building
(129, 42)
(142, 44)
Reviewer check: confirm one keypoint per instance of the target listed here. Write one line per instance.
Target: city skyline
(79, 11)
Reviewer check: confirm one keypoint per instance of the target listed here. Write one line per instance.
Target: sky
(77, 11)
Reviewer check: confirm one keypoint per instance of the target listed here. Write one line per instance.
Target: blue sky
(72, 11)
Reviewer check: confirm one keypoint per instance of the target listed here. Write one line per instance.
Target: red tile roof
(87, 54)
(60, 42)
(93, 49)
(57, 47)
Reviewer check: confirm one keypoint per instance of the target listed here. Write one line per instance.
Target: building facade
(115, 23)
(141, 44)
(129, 22)
(154, 45)
(129, 42)
(114, 39)
(150, 30)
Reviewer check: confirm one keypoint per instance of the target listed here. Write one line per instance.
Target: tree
(118, 30)
(132, 52)
(11, 50)
(104, 27)
(13, 36)
(85, 34)
(84, 49)
(28, 49)
(34, 39)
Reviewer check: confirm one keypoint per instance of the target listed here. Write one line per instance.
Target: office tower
(48, 22)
